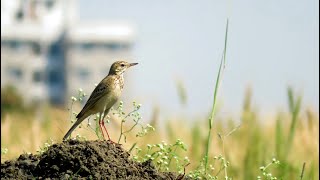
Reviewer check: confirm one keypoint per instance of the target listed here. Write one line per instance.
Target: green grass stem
(221, 67)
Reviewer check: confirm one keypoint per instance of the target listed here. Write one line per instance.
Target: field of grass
(290, 137)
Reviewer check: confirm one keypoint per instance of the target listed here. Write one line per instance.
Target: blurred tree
(11, 100)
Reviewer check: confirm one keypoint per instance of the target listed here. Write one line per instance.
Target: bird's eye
(122, 65)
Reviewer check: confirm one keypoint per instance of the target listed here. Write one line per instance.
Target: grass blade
(295, 107)
(221, 67)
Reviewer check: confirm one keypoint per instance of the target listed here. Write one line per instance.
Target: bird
(104, 96)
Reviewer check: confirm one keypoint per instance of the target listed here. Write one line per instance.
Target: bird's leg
(101, 130)
(104, 115)
(106, 130)
(101, 126)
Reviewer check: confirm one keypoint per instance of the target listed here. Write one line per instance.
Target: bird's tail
(74, 126)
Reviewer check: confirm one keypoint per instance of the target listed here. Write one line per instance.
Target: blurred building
(92, 48)
(47, 54)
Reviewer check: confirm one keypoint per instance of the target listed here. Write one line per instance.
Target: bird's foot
(112, 142)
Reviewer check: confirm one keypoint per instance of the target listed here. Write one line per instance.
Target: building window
(36, 48)
(19, 15)
(15, 73)
(37, 76)
(113, 46)
(49, 4)
(87, 46)
(83, 74)
(55, 77)
(15, 45)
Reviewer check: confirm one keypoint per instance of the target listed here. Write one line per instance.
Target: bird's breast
(119, 83)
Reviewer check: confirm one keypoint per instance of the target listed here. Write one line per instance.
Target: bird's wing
(98, 92)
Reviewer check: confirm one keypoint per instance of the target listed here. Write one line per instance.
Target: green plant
(219, 164)
(222, 138)
(45, 147)
(279, 135)
(295, 108)
(213, 172)
(4, 151)
(165, 156)
(267, 174)
(221, 67)
(78, 98)
(136, 117)
(12, 101)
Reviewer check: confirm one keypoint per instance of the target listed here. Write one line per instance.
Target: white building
(23, 67)
(26, 38)
(47, 54)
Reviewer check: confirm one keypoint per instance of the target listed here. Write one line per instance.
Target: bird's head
(119, 67)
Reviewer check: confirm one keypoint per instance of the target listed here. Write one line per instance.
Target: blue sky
(272, 44)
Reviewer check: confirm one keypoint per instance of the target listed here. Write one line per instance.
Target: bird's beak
(132, 64)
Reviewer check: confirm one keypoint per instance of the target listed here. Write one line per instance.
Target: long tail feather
(74, 127)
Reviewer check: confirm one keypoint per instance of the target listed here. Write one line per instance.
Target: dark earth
(82, 160)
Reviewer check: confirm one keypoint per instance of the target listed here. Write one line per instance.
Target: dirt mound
(81, 160)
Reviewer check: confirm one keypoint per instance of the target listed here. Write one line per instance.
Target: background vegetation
(291, 137)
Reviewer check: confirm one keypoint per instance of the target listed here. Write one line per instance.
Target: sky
(271, 45)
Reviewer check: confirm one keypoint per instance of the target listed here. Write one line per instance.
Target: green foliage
(72, 114)
(11, 101)
(165, 156)
(214, 171)
(294, 107)
(196, 141)
(4, 151)
(136, 117)
(279, 136)
(78, 98)
(45, 147)
(10, 98)
(266, 174)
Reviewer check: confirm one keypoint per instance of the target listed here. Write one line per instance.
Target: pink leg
(101, 129)
(106, 131)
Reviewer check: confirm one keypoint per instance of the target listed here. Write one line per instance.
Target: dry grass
(250, 146)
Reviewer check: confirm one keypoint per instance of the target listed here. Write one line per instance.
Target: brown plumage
(104, 96)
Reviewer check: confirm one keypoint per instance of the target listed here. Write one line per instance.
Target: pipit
(104, 96)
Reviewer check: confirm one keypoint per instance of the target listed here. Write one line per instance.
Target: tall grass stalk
(279, 136)
(221, 67)
(295, 107)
